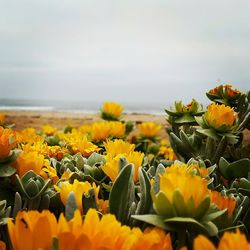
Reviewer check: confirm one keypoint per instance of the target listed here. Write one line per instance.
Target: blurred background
(73, 55)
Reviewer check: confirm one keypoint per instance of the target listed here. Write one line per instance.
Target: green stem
(209, 148)
(220, 150)
(181, 237)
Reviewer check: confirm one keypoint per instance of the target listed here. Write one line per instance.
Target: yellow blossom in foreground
(2, 118)
(218, 115)
(48, 129)
(223, 202)
(149, 129)
(117, 147)
(112, 110)
(229, 241)
(79, 188)
(32, 230)
(29, 161)
(100, 131)
(7, 142)
(95, 234)
(189, 185)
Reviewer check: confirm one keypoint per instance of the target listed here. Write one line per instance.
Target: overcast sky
(153, 51)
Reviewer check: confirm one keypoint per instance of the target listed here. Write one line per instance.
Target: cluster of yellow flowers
(33, 230)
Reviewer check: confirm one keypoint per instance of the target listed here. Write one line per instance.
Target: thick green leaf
(179, 204)
(162, 205)
(209, 132)
(95, 158)
(153, 219)
(6, 170)
(190, 224)
(71, 206)
(202, 208)
(238, 169)
(122, 194)
(214, 215)
(145, 202)
(223, 164)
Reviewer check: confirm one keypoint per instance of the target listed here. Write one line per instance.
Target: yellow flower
(28, 135)
(117, 147)
(39, 147)
(79, 188)
(110, 168)
(112, 110)
(2, 118)
(84, 129)
(78, 143)
(48, 129)
(189, 185)
(49, 172)
(151, 239)
(117, 129)
(177, 183)
(223, 202)
(29, 161)
(136, 159)
(56, 152)
(218, 115)
(100, 131)
(149, 129)
(7, 142)
(229, 241)
(168, 153)
(32, 230)
(95, 234)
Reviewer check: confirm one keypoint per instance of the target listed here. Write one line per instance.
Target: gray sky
(153, 51)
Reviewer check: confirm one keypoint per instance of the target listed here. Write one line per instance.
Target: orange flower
(7, 142)
(29, 161)
(223, 202)
(229, 241)
(32, 230)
